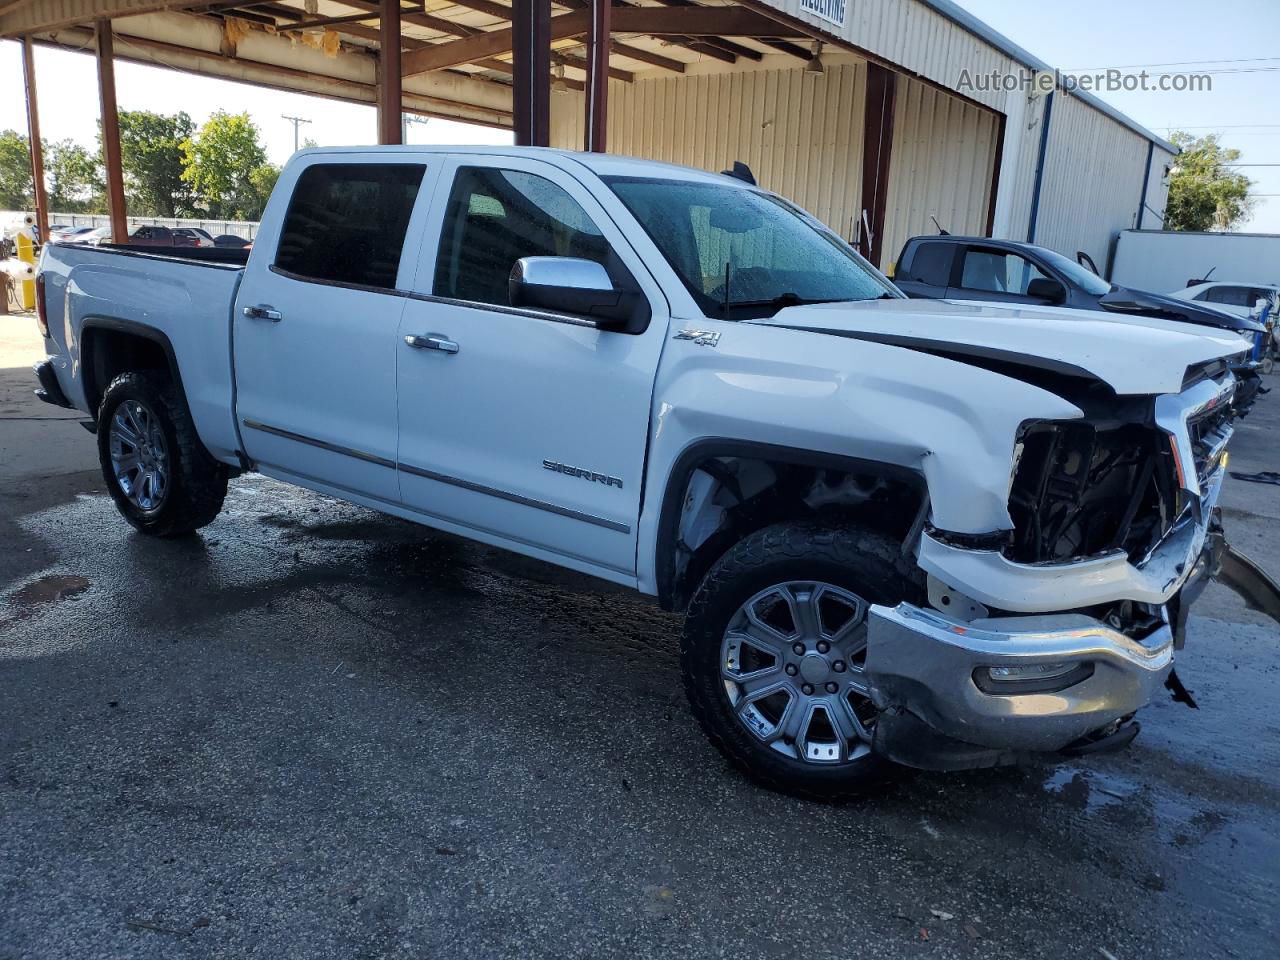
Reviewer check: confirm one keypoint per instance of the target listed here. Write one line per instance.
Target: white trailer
(1163, 261)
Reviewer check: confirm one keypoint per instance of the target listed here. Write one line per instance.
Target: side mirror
(1045, 288)
(571, 285)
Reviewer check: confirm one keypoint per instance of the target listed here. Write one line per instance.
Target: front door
(524, 428)
(316, 327)
(997, 276)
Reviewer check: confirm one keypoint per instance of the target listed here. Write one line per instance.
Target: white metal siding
(1092, 180)
(800, 134)
(911, 35)
(944, 152)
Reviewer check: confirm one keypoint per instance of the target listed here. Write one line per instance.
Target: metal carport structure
(853, 108)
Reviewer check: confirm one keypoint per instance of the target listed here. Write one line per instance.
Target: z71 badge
(703, 338)
(584, 474)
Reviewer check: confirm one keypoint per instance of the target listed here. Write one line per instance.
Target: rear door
(317, 319)
(924, 269)
(525, 428)
(995, 275)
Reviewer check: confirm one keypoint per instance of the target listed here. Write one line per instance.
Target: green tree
(220, 161)
(153, 160)
(1204, 193)
(261, 182)
(74, 178)
(15, 172)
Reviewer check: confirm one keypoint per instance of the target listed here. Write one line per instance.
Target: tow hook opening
(1007, 680)
(1112, 737)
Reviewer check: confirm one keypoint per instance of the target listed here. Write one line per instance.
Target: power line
(1215, 126)
(1177, 63)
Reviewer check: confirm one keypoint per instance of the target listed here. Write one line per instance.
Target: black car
(1005, 271)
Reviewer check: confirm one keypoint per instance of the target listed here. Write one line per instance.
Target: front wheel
(163, 480)
(774, 648)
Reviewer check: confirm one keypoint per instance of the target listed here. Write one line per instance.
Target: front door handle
(262, 311)
(432, 341)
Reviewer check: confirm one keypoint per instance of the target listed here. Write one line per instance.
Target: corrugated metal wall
(908, 33)
(801, 134)
(1092, 180)
(944, 153)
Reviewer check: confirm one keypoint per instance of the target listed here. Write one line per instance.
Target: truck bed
(181, 298)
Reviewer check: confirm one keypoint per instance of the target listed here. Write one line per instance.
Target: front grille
(1082, 489)
(1209, 432)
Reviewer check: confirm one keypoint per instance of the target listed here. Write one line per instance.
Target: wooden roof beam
(653, 21)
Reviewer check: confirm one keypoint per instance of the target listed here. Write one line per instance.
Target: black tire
(865, 563)
(197, 482)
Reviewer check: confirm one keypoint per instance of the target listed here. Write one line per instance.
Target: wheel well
(107, 352)
(716, 497)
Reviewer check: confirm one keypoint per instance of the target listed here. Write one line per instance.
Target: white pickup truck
(938, 534)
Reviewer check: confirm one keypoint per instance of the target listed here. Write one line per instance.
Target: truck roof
(602, 164)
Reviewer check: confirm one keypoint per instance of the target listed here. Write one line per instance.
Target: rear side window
(929, 263)
(347, 222)
(1233, 296)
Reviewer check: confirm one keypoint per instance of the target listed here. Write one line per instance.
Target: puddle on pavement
(50, 589)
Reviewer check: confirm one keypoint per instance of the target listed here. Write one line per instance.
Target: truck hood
(1140, 302)
(1132, 355)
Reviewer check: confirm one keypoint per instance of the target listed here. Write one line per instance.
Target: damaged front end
(1049, 638)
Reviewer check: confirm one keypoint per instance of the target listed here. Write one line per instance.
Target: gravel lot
(318, 732)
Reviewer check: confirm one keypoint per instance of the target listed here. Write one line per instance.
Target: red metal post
(33, 135)
(598, 45)
(877, 148)
(111, 131)
(531, 80)
(390, 129)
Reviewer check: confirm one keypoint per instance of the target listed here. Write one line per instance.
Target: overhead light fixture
(558, 84)
(814, 66)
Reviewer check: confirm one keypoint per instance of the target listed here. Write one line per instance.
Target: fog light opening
(1010, 679)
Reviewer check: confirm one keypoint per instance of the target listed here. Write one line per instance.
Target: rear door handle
(432, 341)
(263, 311)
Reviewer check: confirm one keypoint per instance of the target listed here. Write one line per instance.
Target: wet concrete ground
(317, 732)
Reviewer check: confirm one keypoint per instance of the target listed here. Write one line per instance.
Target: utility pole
(297, 122)
(405, 120)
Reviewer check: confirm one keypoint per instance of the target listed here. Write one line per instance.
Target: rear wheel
(163, 480)
(774, 648)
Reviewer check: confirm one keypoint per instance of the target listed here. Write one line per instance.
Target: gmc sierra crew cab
(902, 531)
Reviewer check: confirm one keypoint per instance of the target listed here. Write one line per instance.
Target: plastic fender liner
(1254, 585)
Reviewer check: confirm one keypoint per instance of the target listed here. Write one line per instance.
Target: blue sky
(1074, 34)
(1102, 33)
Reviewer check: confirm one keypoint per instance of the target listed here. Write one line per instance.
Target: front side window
(494, 218)
(995, 271)
(347, 222)
(744, 253)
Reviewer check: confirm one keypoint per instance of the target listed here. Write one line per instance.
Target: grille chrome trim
(1174, 414)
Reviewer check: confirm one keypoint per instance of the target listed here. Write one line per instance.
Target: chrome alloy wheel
(139, 455)
(792, 662)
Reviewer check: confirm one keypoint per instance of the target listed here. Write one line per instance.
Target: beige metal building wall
(801, 134)
(1092, 180)
(944, 154)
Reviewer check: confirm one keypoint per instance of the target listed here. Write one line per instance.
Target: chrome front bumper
(924, 663)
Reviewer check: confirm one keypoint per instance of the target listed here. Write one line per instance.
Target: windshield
(746, 250)
(1082, 277)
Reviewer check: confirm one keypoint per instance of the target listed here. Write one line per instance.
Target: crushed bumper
(930, 666)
